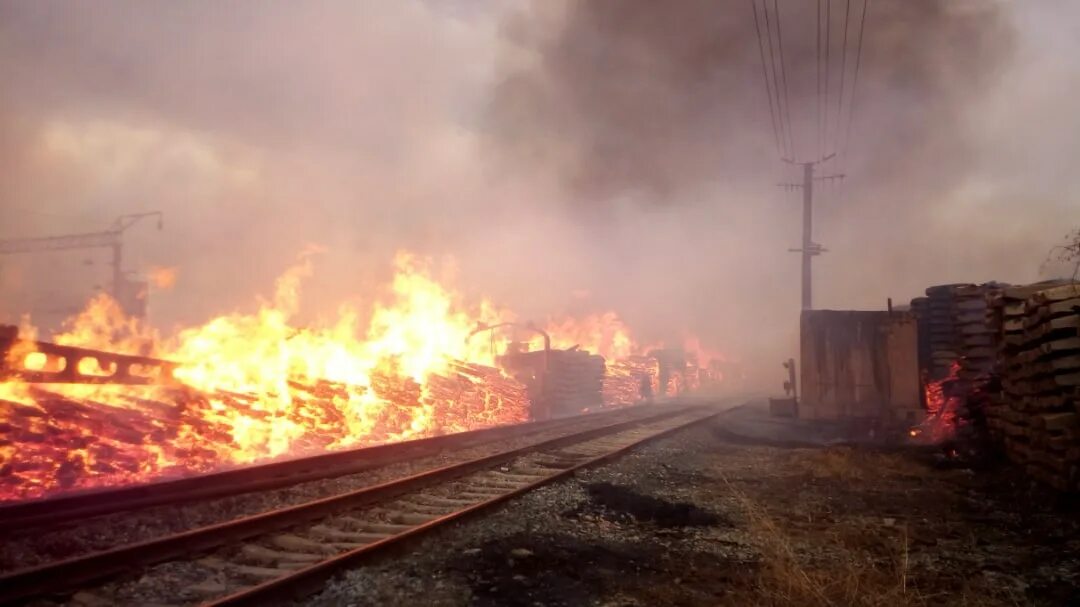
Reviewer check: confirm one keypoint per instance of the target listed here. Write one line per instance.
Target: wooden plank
(1064, 307)
(1056, 421)
(1057, 293)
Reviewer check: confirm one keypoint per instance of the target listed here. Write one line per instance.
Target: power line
(765, 74)
(776, 80)
(783, 76)
(855, 78)
(843, 74)
(828, 65)
(820, 105)
(38, 213)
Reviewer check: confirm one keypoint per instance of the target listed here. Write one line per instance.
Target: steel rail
(305, 581)
(72, 573)
(264, 477)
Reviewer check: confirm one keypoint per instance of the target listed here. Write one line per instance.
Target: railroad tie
(517, 478)
(207, 589)
(480, 497)
(555, 464)
(441, 502)
(337, 535)
(569, 453)
(296, 543)
(484, 487)
(420, 508)
(250, 572)
(492, 487)
(88, 599)
(408, 518)
(387, 529)
(269, 556)
(538, 473)
(259, 574)
(213, 562)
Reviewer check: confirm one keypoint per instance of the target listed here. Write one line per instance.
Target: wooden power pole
(809, 249)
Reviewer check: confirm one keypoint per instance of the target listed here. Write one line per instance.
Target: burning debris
(1013, 372)
(250, 387)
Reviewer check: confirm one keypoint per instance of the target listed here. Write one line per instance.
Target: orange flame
(941, 409)
(162, 278)
(257, 386)
(604, 334)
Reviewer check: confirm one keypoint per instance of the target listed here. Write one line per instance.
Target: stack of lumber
(920, 307)
(574, 381)
(470, 396)
(973, 335)
(623, 380)
(53, 442)
(939, 325)
(1038, 414)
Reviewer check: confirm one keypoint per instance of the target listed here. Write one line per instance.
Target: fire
(941, 409)
(257, 386)
(260, 384)
(631, 364)
(604, 334)
(162, 278)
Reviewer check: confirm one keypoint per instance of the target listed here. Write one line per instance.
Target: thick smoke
(573, 156)
(655, 99)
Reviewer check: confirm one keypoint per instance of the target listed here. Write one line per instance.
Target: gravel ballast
(699, 519)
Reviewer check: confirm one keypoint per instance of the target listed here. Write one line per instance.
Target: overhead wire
(828, 65)
(783, 77)
(776, 80)
(855, 77)
(842, 139)
(820, 105)
(843, 75)
(768, 84)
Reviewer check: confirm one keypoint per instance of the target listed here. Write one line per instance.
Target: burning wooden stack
(937, 321)
(955, 339)
(1037, 330)
(623, 380)
(474, 396)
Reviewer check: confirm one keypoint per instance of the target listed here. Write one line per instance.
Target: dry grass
(847, 562)
(846, 463)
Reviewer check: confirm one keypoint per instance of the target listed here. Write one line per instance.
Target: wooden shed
(859, 365)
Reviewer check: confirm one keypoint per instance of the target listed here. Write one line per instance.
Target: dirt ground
(705, 518)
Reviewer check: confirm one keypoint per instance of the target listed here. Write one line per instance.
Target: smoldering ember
(544, 302)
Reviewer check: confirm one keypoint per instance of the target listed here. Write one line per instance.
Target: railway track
(289, 552)
(20, 516)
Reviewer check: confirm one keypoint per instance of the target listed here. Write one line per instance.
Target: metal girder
(62, 364)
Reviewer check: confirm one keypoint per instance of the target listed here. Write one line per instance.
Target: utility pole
(809, 249)
(111, 239)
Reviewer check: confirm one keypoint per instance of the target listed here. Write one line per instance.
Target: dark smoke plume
(653, 98)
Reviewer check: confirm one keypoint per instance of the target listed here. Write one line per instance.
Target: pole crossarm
(58, 243)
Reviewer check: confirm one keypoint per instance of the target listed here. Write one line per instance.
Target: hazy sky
(571, 157)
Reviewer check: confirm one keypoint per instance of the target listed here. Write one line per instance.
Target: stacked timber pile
(920, 307)
(1005, 316)
(473, 396)
(973, 335)
(574, 381)
(1038, 415)
(623, 380)
(939, 325)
